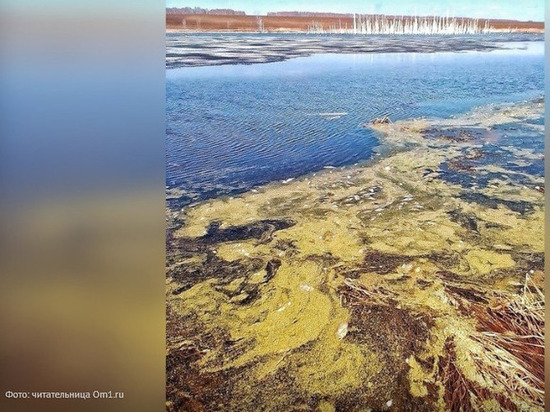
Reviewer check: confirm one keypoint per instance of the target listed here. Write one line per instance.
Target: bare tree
(260, 24)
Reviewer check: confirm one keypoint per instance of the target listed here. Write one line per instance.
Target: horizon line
(355, 13)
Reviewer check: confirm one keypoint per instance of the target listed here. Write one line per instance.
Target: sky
(497, 9)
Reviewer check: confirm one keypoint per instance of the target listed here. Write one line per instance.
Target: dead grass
(510, 331)
(461, 394)
(500, 360)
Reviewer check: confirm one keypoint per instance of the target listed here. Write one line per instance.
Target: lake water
(233, 127)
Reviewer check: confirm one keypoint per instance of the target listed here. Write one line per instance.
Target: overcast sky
(499, 9)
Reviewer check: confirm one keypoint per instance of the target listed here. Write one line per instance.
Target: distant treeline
(200, 10)
(308, 14)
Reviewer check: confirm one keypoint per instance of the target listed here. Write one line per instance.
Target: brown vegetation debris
(394, 334)
(510, 331)
(461, 394)
(187, 387)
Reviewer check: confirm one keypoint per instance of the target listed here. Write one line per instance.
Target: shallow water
(376, 284)
(233, 127)
(498, 146)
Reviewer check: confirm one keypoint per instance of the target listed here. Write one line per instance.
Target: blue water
(230, 128)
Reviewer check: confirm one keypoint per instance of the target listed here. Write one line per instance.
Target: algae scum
(412, 283)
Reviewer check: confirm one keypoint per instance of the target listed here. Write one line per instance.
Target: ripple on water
(230, 128)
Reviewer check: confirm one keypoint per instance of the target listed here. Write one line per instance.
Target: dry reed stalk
(461, 394)
(510, 329)
(510, 334)
(358, 294)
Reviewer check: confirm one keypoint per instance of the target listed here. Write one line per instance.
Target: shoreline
(287, 31)
(359, 285)
(385, 147)
(388, 145)
(323, 23)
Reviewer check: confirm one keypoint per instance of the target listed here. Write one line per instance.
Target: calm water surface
(230, 128)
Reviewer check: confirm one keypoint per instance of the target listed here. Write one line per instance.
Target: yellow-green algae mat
(374, 287)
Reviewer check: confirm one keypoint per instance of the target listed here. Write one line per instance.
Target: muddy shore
(413, 282)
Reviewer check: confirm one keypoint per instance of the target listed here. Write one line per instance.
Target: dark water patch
(448, 275)
(530, 260)
(467, 221)
(178, 250)
(493, 225)
(519, 135)
(470, 177)
(422, 283)
(536, 168)
(188, 275)
(467, 169)
(473, 225)
(261, 230)
(326, 259)
(521, 207)
(271, 268)
(459, 164)
(450, 173)
(208, 57)
(210, 266)
(383, 263)
(225, 274)
(496, 146)
(444, 259)
(539, 121)
(521, 125)
(453, 278)
(526, 263)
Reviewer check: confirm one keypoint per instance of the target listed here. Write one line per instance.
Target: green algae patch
(295, 315)
(527, 232)
(325, 406)
(417, 378)
(338, 368)
(483, 262)
(331, 236)
(200, 300)
(290, 313)
(235, 251)
(420, 232)
(333, 366)
(380, 286)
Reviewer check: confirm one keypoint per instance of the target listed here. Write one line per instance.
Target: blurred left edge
(82, 206)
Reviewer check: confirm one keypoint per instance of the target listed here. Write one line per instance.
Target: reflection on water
(232, 127)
